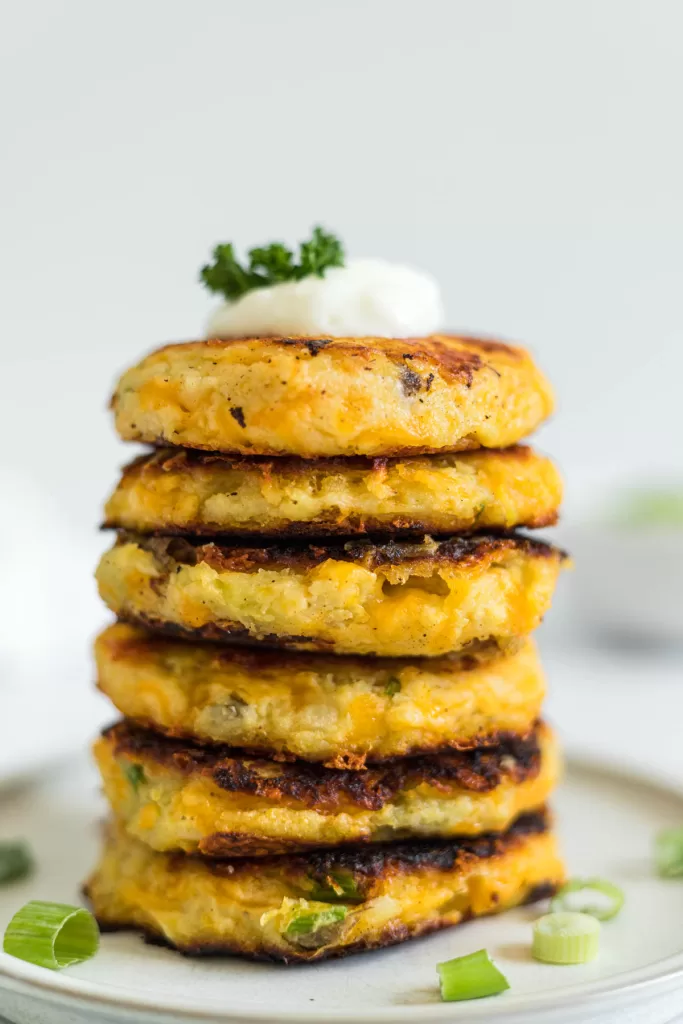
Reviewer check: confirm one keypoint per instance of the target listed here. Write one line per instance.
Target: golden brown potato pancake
(306, 908)
(333, 396)
(410, 599)
(179, 491)
(317, 707)
(174, 795)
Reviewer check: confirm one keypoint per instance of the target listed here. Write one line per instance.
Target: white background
(528, 152)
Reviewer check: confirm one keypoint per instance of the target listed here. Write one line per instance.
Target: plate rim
(48, 987)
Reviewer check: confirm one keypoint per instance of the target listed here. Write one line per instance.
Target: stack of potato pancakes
(331, 736)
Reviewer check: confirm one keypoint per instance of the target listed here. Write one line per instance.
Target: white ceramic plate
(607, 819)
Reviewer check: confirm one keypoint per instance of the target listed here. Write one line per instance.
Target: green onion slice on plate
(669, 853)
(15, 862)
(53, 935)
(470, 977)
(593, 896)
(566, 938)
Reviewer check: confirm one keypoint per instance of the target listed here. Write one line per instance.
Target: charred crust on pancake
(314, 345)
(224, 631)
(189, 459)
(479, 770)
(347, 760)
(374, 862)
(234, 633)
(372, 554)
(411, 382)
(257, 658)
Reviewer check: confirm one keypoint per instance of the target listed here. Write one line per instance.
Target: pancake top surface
(333, 396)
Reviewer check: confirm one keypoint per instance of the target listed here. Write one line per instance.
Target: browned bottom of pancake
(305, 908)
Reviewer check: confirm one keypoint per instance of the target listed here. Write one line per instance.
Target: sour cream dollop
(362, 299)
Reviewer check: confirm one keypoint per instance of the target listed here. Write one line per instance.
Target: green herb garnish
(135, 774)
(271, 264)
(393, 686)
(15, 862)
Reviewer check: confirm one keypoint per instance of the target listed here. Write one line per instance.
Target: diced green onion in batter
(669, 853)
(15, 861)
(309, 921)
(594, 896)
(135, 774)
(566, 938)
(337, 885)
(470, 977)
(393, 686)
(53, 935)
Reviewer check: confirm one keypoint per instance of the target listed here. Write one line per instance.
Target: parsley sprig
(271, 264)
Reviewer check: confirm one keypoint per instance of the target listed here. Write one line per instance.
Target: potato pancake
(174, 795)
(340, 710)
(179, 491)
(307, 908)
(396, 599)
(333, 396)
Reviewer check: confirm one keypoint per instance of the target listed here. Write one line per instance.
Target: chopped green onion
(338, 885)
(15, 862)
(314, 928)
(669, 853)
(53, 935)
(312, 921)
(135, 774)
(470, 977)
(566, 938)
(594, 896)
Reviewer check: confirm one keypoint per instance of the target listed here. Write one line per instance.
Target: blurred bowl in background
(628, 583)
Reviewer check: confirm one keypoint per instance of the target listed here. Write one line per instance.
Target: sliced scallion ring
(669, 853)
(470, 977)
(594, 896)
(566, 938)
(53, 935)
